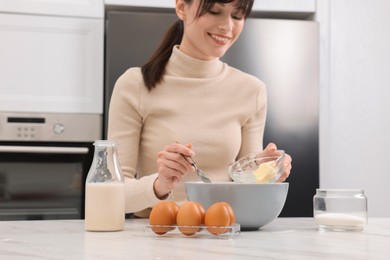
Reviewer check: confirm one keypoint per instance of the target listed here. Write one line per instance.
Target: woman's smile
(220, 39)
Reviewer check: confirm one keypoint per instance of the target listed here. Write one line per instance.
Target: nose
(226, 23)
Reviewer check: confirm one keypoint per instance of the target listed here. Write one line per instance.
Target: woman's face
(210, 35)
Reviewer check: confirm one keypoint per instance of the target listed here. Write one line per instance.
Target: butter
(265, 172)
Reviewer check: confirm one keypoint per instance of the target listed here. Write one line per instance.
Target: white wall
(355, 94)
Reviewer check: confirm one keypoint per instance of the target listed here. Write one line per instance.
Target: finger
(284, 176)
(287, 166)
(287, 162)
(269, 150)
(172, 161)
(271, 147)
(180, 148)
(181, 166)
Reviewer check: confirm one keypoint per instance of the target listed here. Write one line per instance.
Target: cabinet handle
(43, 149)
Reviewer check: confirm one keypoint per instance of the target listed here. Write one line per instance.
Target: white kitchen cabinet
(307, 6)
(51, 64)
(80, 8)
(142, 3)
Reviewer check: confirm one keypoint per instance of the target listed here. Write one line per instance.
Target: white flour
(339, 219)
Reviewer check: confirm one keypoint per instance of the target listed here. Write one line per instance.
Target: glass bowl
(253, 168)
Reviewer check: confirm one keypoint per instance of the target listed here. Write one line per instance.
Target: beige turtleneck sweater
(220, 110)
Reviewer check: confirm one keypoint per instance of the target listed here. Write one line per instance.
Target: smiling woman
(184, 101)
(193, 14)
(210, 32)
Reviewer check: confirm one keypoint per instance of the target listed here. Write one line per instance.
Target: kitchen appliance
(283, 53)
(44, 160)
(51, 105)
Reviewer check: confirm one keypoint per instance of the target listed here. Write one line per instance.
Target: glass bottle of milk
(104, 190)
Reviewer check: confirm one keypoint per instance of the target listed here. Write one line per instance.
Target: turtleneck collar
(182, 65)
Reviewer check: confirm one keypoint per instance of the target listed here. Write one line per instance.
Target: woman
(185, 101)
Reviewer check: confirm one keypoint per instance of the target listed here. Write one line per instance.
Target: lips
(220, 39)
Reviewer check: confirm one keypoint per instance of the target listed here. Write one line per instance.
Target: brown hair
(153, 71)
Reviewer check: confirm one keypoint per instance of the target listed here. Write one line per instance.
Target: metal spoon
(200, 173)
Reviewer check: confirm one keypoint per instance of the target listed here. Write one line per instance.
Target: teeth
(219, 38)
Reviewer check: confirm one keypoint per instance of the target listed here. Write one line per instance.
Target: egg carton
(221, 232)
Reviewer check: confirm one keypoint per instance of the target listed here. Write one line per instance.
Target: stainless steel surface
(44, 158)
(201, 174)
(21, 213)
(43, 149)
(123, 50)
(284, 54)
(50, 127)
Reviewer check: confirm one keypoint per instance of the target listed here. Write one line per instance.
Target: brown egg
(231, 213)
(202, 212)
(163, 213)
(218, 215)
(190, 214)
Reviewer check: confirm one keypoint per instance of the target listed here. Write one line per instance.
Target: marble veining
(284, 238)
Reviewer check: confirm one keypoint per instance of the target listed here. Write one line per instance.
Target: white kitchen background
(354, 83)
(355, 92)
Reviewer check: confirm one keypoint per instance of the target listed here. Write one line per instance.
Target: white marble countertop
(284, 238)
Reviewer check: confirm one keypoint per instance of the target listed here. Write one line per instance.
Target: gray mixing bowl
(254, 205)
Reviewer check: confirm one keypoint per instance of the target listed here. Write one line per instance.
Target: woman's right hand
(172, 166)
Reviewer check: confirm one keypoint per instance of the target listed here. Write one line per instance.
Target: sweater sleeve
(253, 128)
(124, 127)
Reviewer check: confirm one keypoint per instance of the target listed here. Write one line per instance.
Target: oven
(44, 160)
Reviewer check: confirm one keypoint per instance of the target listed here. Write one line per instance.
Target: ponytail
(153, 71)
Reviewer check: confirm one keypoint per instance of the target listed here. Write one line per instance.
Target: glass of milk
(340, 209)
(105, 190)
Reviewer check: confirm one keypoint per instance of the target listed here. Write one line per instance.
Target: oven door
(43, 180)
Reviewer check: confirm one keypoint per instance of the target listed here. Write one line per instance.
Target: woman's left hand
(271, 149)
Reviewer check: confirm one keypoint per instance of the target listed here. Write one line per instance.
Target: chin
(219, 54)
